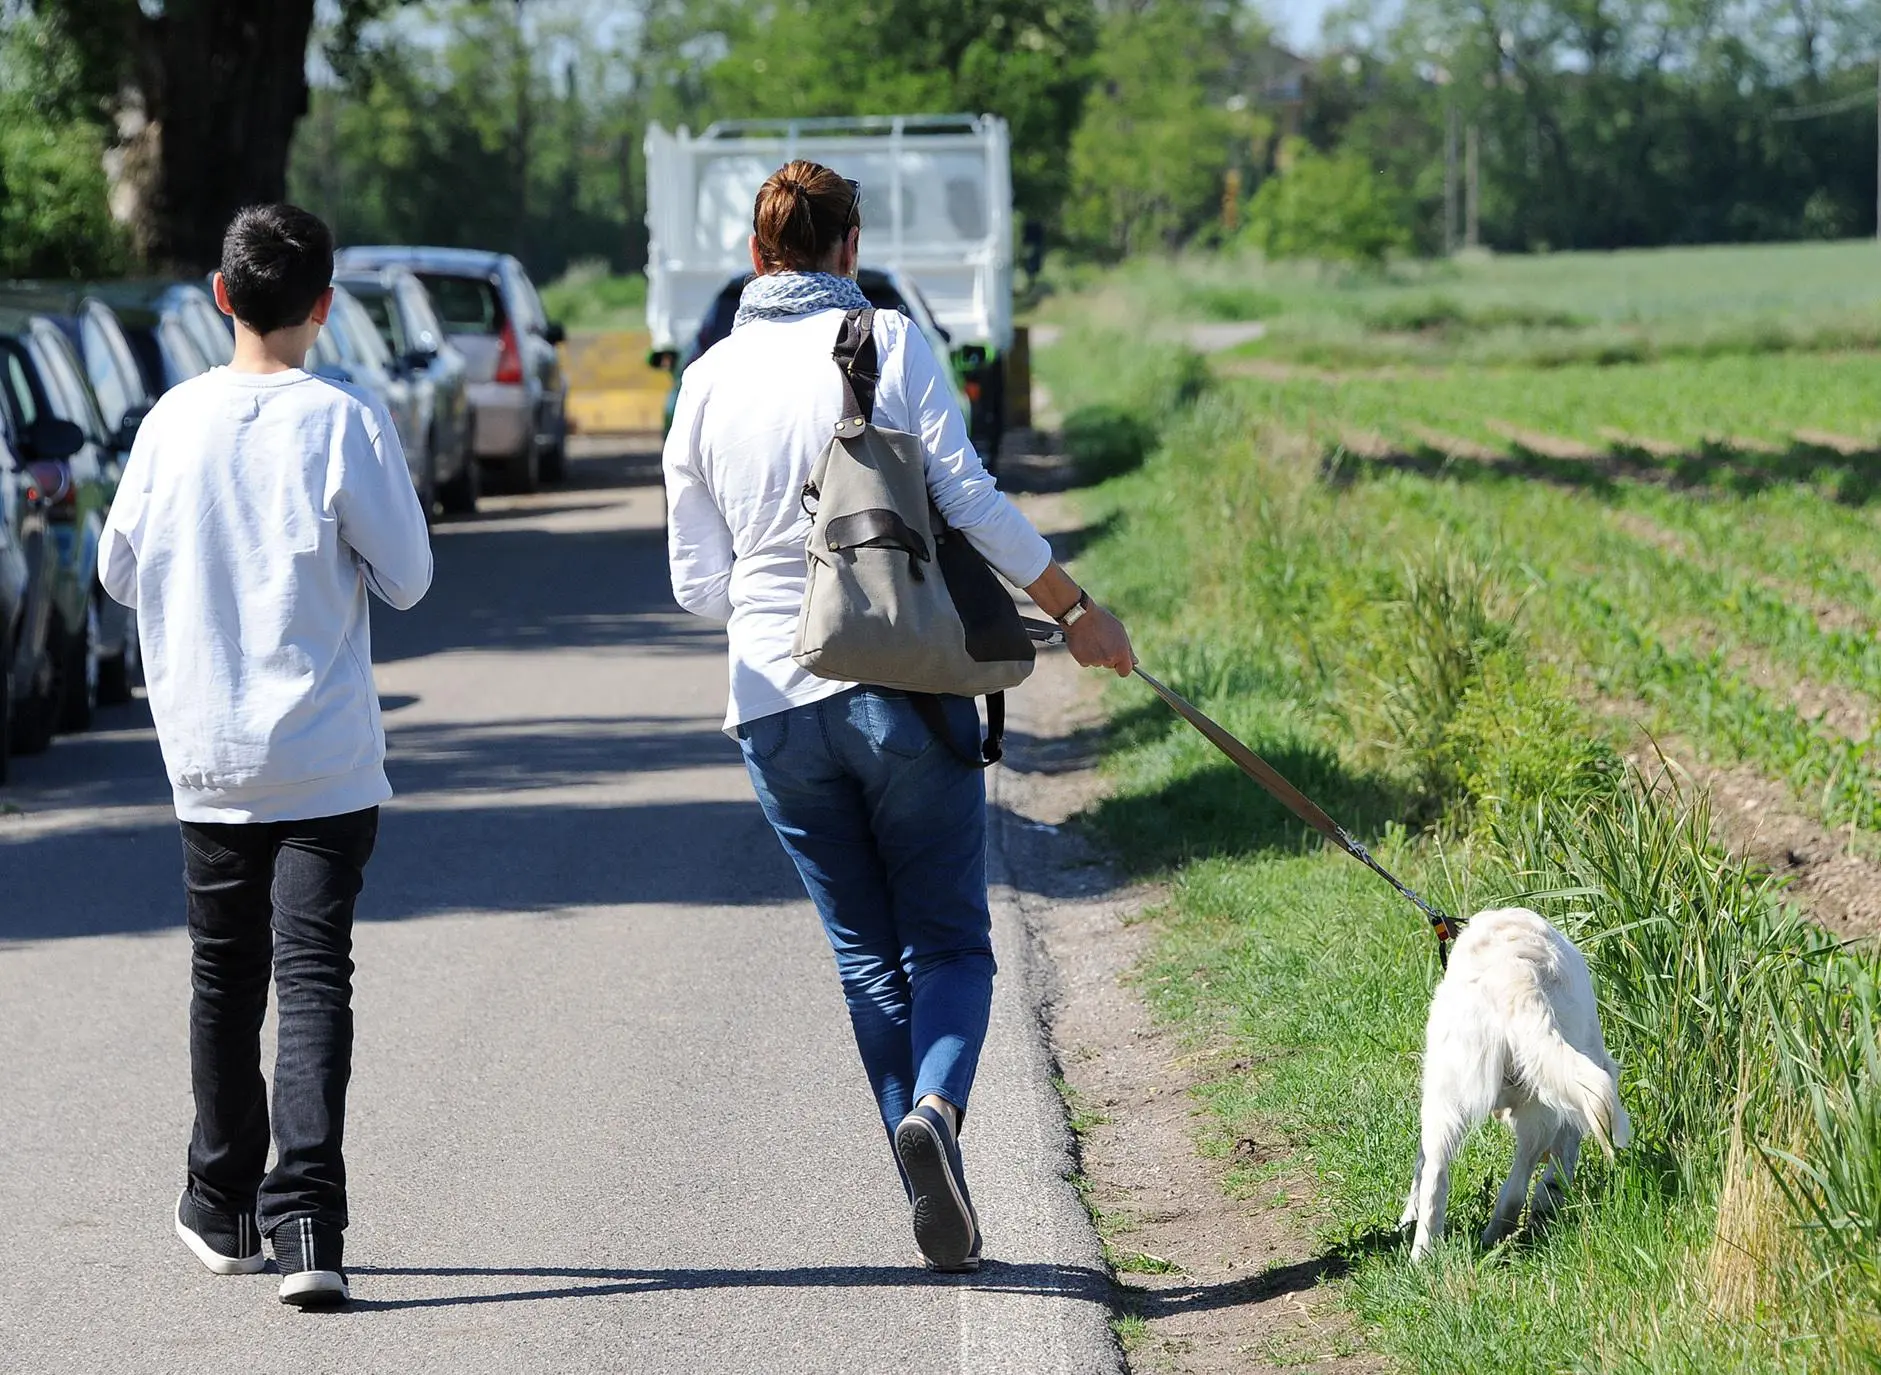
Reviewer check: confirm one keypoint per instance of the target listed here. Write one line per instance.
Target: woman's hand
(1098, 640)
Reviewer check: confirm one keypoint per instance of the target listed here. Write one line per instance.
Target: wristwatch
(1079, 610)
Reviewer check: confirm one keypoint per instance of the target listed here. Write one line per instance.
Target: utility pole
(1877, 151)
(1449, 182)
(1472, 188)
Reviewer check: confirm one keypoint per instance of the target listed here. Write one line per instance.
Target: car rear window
(467, 305)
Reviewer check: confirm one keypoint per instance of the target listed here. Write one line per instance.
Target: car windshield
(467, 305)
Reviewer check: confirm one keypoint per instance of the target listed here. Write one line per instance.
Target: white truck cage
(936, 206)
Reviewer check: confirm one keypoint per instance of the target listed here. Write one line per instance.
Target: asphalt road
(605, 1115)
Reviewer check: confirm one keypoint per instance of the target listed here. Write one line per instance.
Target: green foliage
(1106, 441)
(1331, 207)
(1026, 61)
(1148, 158)
(54, 219)
(1632, 128)
(1446, 313)
(1282, 603)
(420, 143)
(588, 297)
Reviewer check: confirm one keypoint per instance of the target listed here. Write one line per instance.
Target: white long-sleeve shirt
(254, 513)
(753, 416)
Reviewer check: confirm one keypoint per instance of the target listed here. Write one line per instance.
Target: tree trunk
(220, 86)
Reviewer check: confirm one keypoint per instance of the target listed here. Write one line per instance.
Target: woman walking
(885, 822)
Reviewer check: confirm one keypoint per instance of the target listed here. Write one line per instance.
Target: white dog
(1513, 1031)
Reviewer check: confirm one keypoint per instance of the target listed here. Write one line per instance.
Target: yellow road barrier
(611, 390)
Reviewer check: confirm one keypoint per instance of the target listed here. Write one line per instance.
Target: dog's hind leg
(1563, 1153)
(1410, 1203)
(1535, 1129)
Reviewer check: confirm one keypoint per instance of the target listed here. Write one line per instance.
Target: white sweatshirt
(254, 513)
(753, 416)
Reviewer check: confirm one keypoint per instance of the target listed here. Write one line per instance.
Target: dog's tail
(1574, 1085)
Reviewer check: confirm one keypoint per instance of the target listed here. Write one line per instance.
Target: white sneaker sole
(213, 1260)
(315, 1289)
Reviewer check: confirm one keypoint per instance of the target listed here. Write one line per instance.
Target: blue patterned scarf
(779, 295)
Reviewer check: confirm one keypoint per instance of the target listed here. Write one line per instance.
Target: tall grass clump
(1740, 1231)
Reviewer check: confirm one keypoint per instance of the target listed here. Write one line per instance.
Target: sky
(1296, 22)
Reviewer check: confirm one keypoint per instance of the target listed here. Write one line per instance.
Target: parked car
(402, 312)
(350, 349)
(518, 392)
(174, 329)
(28, 706)
(136, 341)
(52, 421)
(886, 291)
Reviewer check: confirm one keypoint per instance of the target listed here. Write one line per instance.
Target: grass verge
(1395, 644)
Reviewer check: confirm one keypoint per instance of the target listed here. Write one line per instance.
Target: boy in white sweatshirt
(259, 505)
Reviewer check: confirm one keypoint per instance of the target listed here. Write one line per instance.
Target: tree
(201, 97)
(1024, 60)
(416, 143)
(1161, 125)
(1331, 207)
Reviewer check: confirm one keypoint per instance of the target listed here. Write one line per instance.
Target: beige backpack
(896, 598)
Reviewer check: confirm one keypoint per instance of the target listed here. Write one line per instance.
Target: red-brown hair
(802, 214)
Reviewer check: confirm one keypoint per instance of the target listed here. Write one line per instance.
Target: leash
(1301, 806)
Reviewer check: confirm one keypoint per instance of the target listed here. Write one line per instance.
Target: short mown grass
(1430, 655)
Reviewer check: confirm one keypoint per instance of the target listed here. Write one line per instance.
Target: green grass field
(587, 299)
(1446, 601)
(1549, 310)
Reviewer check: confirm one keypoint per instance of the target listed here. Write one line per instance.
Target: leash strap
(1300, 805)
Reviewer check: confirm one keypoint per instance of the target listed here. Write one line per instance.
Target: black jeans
(277, 894)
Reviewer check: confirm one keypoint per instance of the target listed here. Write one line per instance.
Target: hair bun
(802, 212)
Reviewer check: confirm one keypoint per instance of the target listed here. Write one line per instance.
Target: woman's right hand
(1098, 640)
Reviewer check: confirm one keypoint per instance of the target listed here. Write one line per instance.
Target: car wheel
(37, 711)
(6, 699)
(459, 495)
(79, 691)
(428, 492)
(117, 672)
(555, 457)
(525, 469)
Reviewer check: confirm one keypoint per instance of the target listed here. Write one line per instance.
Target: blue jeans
(888, 829)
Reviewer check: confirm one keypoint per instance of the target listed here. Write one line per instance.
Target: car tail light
(53, 485)
(508, 356)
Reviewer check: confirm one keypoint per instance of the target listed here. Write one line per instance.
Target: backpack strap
(928, 707)
(855, 358)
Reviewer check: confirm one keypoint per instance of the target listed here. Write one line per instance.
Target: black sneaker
(307, 1253)
(226, 1244)
(945, 1226)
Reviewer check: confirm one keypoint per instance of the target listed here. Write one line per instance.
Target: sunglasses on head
(855, 199)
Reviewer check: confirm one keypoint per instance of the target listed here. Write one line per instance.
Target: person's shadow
(1079, 1283)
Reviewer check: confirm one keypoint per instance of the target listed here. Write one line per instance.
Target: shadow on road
(445, 847)
(1048, 1281)
(999, 1277)
(518, 588)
